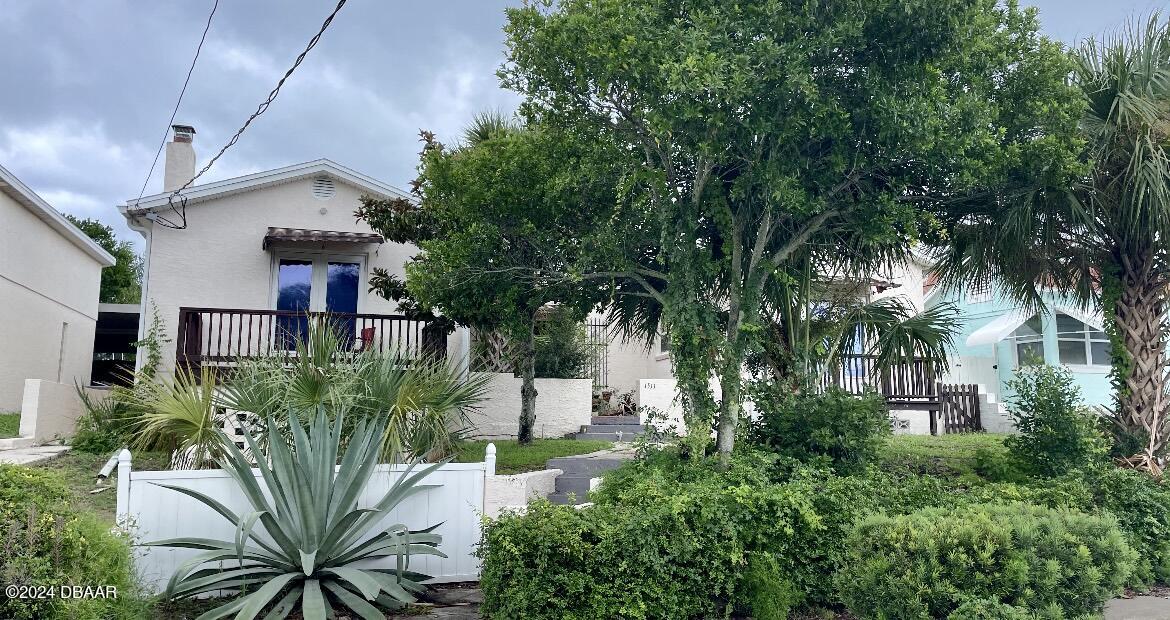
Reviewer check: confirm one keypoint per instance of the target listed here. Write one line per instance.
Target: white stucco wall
(48, 304)
(218, 261)
(514, 492)
(563, 406)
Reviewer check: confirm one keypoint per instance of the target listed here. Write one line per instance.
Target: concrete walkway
(1138, 608)
(30, 455)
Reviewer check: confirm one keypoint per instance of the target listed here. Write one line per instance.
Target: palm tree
(1102, 236)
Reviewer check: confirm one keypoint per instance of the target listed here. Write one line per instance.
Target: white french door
(316, 283)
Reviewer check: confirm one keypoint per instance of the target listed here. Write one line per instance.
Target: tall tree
(498, 222)
(1101, 235)
(771, 130)
(121, 283)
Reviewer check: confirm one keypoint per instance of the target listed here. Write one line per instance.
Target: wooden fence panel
(960, 407)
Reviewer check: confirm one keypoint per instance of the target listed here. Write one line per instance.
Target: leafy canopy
(121, 283)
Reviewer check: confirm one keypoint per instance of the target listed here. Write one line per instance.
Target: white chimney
(180, 163)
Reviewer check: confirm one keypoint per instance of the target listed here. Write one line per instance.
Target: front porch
(221, 337)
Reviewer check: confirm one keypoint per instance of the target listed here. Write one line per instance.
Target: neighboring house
(629, 363)
(235, 265)
(50, 276)
(997, 338)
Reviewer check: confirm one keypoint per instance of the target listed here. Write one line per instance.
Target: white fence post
(123, 484)
(489, 460)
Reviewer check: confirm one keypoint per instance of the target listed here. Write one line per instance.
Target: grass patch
(512, 458)
(944, 455)
(9, 425)
(80, 472)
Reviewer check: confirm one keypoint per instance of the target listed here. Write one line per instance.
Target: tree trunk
(731, 395)
(1140, 316)
(528, 385)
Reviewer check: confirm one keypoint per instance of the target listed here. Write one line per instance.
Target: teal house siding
(996, 333)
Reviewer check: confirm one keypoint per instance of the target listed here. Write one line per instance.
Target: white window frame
(1018, 340)
(319, 281)
(1085, 337)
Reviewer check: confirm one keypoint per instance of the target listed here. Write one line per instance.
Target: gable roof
(310, 169)
(27, 198)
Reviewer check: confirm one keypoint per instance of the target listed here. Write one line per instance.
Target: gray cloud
(89, 85)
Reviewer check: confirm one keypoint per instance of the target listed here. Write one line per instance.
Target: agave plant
(313, 532)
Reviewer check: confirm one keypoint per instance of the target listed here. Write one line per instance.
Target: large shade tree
(122, 282)
(1101, 235)
(769, 132)
(498, 220)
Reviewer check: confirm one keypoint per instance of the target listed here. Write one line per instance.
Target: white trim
(998, 328)
(311, 169)
(29, 199)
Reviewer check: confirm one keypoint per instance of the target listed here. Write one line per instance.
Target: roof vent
(323, 188)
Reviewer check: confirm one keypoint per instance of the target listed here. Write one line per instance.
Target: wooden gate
(958, 408)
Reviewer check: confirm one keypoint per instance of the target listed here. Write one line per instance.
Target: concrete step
(578, 484)
(581, 466)
(14, 443)
(627, 429)
(563, 499)
(607, 436)
(615, 419)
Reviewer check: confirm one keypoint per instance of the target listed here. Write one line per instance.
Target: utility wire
(262, 108)
(182, 91)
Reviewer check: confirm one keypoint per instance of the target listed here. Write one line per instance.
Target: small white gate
(155, 513)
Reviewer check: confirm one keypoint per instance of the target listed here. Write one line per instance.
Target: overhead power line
(181, 211)
(182, 91)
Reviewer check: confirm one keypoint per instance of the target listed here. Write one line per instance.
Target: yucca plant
(313, 535)
(179, 415)
(424, 400)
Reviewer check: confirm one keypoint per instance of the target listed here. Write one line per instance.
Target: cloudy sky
(90, 85)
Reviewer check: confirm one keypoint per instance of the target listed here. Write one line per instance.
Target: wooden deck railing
(911, 385)
(223, 336)
(907, 381)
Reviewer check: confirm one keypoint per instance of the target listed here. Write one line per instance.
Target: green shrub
(767, 591)
(45, 542)
(926, 564)
(988, 609)
(845, 429)
(997, 466)
(106, 425)
(1056, 433)
(1142, 507)
(561, 348)
(661, 561)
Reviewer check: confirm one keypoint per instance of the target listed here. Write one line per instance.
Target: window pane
(1097, 334)
(1100, 353)
(1066, 324)
(341, 295)
(1030, 353)
(1072, 352)
(1032, 327)
(341, 291)
(294, 284)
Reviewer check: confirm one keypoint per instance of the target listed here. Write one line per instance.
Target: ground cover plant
(516, 458)
(9, 424)
(47, 540)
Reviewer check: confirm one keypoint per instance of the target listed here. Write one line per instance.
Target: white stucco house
(234, 266)
(50, 276)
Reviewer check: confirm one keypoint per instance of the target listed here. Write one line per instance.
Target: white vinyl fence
(155, 513)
